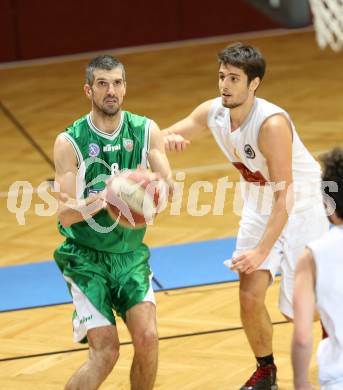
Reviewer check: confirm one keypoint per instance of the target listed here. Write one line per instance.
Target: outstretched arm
(70, 209)
(304, 308)
(177, 137)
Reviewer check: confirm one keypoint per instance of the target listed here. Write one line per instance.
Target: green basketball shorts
(100, 282)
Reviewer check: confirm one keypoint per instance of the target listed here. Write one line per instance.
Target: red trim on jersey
(251, 177)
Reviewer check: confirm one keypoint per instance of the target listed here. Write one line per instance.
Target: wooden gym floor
(202, 343)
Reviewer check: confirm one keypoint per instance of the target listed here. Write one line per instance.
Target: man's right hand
(175, 142)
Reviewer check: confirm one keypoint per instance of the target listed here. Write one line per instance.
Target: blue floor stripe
(175, 266)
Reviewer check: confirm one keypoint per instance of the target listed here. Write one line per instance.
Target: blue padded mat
(175, 266)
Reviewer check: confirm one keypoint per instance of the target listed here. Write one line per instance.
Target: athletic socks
(265, 360)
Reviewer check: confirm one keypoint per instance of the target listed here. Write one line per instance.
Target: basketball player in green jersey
(105, 265)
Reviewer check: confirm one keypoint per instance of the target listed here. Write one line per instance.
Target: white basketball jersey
(241, 148)
(328, 256)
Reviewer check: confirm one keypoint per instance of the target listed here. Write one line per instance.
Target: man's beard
(106, 111)
(232, 105)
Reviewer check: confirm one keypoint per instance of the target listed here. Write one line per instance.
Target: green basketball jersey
(99, 155)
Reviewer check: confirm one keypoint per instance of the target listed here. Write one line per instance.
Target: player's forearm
(76, 210)
(159, 164)
(174, 129)
(301, 355)
(277, 221)
(186, 128)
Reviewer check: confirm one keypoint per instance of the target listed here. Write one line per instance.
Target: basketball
(132, 198)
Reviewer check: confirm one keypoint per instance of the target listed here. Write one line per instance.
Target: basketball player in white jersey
(318, 282)
(260, 140)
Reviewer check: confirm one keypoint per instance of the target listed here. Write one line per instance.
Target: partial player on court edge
(280, 184)
(105, 264)
(318, 285)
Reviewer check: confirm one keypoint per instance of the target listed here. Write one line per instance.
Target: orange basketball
(132, 198)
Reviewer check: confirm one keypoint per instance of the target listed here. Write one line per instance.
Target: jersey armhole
(75, 147)
(211, 111)
(286, 116)
(81, 166)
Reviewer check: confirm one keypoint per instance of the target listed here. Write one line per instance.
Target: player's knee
(106, 357)
(109, 357)
(250, 302)
(146, 339)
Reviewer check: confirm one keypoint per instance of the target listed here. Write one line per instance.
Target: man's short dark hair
(105, 62)
(333, 172)
(245, 57)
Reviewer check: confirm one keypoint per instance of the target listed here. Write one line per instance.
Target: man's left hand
(248, 261)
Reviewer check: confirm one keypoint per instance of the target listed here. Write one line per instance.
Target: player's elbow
(284, 196)
(302, 337)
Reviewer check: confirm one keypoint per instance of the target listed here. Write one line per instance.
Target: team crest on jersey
(128, 144)
(93, 150)
(249, 151)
